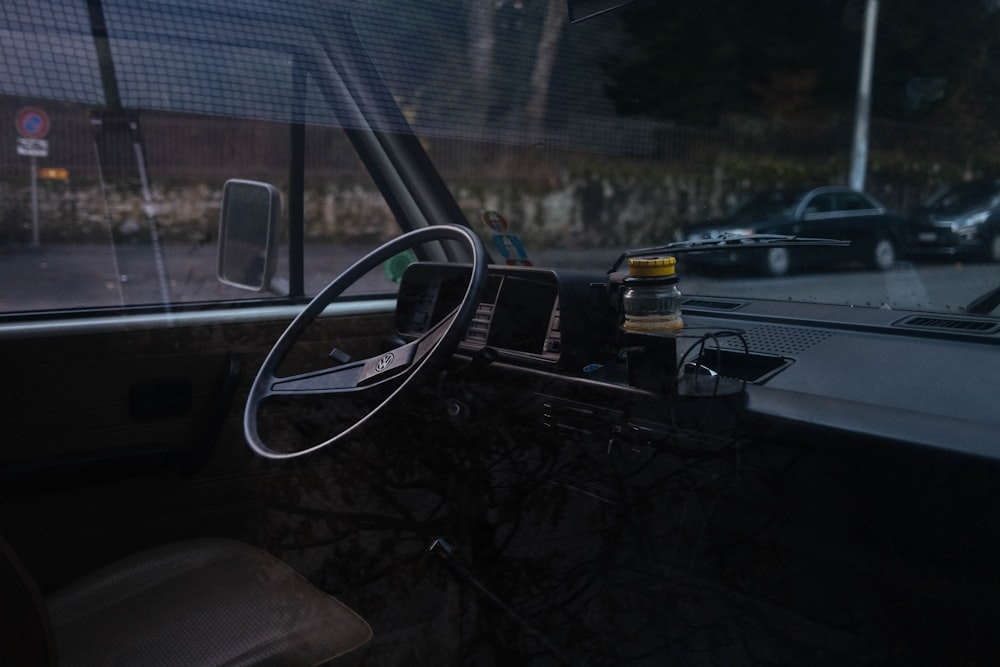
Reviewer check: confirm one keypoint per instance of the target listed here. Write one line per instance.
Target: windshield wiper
(726, 242)
(984, 304)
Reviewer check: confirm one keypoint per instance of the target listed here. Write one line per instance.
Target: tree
(481, 38)
(545, 58)
(695, 61)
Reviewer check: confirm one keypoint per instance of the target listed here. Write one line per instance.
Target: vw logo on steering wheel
(385, 362)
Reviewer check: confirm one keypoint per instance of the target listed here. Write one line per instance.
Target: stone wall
(619, 204)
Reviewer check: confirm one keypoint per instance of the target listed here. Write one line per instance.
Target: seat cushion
(201, 602)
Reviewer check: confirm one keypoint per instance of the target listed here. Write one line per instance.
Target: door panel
(121, 439)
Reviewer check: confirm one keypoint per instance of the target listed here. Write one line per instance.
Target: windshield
(964, 196)
(623, 130)
(562, 143)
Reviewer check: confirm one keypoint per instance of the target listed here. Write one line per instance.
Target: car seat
(192, 602)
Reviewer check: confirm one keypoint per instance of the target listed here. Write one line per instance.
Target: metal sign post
(33, 125)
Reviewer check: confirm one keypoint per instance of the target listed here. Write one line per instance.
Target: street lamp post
(859, 151)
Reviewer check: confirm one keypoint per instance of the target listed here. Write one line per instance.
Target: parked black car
(962, 219)
(874, 232)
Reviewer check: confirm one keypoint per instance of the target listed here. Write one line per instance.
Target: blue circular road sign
(32, 123)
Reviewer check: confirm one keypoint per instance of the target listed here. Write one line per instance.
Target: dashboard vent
(712, 304)
(968, 325)
(479, 329)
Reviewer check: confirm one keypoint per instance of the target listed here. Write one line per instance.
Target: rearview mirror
(248, 234)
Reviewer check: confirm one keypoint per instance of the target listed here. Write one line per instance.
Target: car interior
(290, 433)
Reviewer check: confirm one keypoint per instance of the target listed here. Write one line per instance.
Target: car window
(964, 196)
(569, 132)
(726, 384)
(769, 203)
(575, 134)
(113, 181)
(821, 203)
(853, 201)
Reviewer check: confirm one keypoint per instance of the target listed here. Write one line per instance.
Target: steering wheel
(397, 369)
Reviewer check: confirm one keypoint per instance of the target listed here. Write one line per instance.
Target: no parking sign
(33, 125)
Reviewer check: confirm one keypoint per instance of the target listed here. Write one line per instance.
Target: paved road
(54, 277)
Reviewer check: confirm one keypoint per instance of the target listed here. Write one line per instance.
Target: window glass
(345, 215)
(822, 203)
(116, 201)
(47, 52)
(964, 196)
(651, 124)
(852, 201)
(97, 228)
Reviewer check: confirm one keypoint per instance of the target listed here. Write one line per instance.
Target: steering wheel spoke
(389, 365)
(327, 381)
(359, 375)
(394, 370)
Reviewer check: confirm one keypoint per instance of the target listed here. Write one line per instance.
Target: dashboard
(536, 317)
(895, 376)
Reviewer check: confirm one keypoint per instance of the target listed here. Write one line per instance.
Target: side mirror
(248, 234)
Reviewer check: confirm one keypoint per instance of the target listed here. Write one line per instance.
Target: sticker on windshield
(508, 245)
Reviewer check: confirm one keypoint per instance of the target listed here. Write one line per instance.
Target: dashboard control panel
(518, 314)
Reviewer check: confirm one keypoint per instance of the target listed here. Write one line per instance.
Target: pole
(150, 210)
(859, 151)
(34, 202)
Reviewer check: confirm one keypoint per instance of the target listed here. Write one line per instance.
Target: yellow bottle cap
(651, 267)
